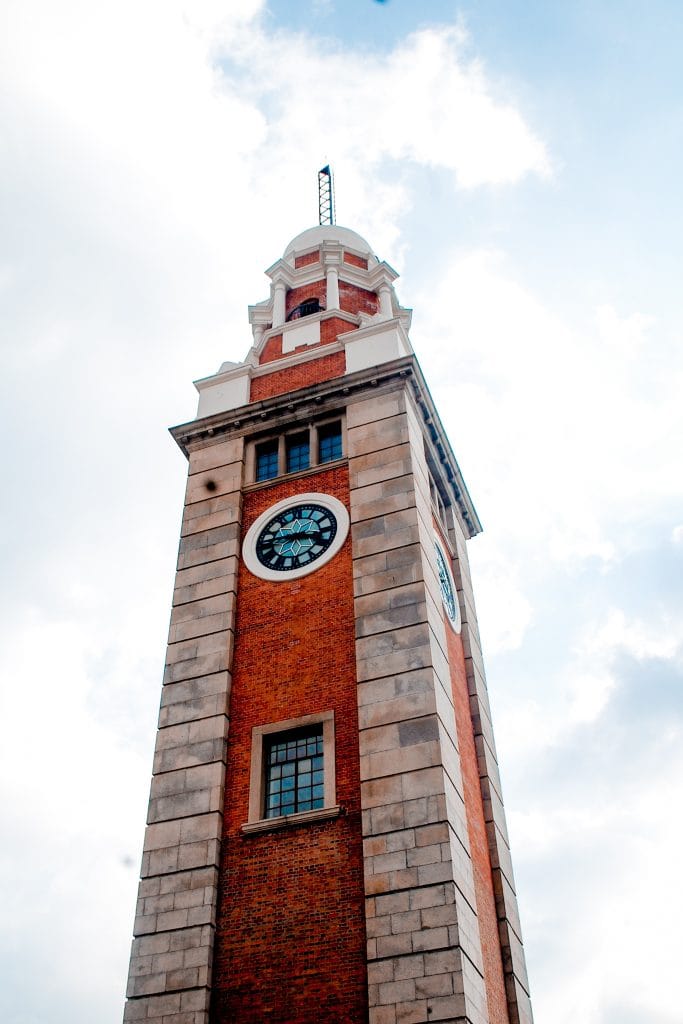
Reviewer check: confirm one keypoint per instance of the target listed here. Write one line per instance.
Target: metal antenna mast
(325, 196)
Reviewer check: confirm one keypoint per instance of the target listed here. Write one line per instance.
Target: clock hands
(296, 537)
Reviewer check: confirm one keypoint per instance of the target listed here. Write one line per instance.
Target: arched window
(305, 308)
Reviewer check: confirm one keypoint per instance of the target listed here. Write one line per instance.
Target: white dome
(327, 233)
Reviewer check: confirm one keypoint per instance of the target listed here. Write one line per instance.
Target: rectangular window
(298, 452)
(267, 460)
(329, 442)
(292, 778)
(294, 772)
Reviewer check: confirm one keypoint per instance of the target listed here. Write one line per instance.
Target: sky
(519, 164)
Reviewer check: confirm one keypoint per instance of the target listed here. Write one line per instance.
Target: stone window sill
(288, 820)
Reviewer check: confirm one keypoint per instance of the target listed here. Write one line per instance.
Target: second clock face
(447, 585)
(296, 537)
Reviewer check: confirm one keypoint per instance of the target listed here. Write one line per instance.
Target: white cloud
(424, 102)
(596, 843)
(641, 639)
(502, 604)
(70, 796)
(577, 434)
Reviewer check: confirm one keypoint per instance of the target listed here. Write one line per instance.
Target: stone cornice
(377, 326)
(315, 399)
(370, 279)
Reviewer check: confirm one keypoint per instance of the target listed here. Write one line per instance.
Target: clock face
(296, 537)
(448, 594)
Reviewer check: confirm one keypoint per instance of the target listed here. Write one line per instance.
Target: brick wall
(331, 328)
(357, 300)
(306, 259)
(355, 261)
(290, 942)
(272, 349)
(293, 377)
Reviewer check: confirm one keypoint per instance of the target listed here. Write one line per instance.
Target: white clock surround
(454, 621)
(327, 501)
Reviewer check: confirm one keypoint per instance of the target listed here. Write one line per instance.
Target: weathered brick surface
(290, 937)
(330, 329)
(355, 261)
(332, 326)
(307, 259)
(272, 349)
(292, 377)
(353, 299)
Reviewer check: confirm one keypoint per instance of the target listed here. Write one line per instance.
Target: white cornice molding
(377, 326)
(370, 279)
(224, 377)
(261, 313)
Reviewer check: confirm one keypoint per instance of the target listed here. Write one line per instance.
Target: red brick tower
(326, 838)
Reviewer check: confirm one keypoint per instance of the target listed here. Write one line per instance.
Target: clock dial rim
(325, 501)
(454, 623)
(321, 537)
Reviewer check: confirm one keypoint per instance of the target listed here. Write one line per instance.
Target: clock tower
(326, 838)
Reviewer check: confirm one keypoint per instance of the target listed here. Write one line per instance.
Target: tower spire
(325, 195)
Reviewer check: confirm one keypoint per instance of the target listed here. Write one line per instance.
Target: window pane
(294, 772)
(298, 452)
(329, 442)
(267, 460)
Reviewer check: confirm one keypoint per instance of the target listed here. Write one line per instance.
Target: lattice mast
(325, 195)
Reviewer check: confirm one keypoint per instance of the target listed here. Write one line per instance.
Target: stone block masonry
(172, 956)
(424, 952)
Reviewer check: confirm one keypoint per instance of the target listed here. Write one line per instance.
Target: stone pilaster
(424, 955)
(514, 966)
(170, 970)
